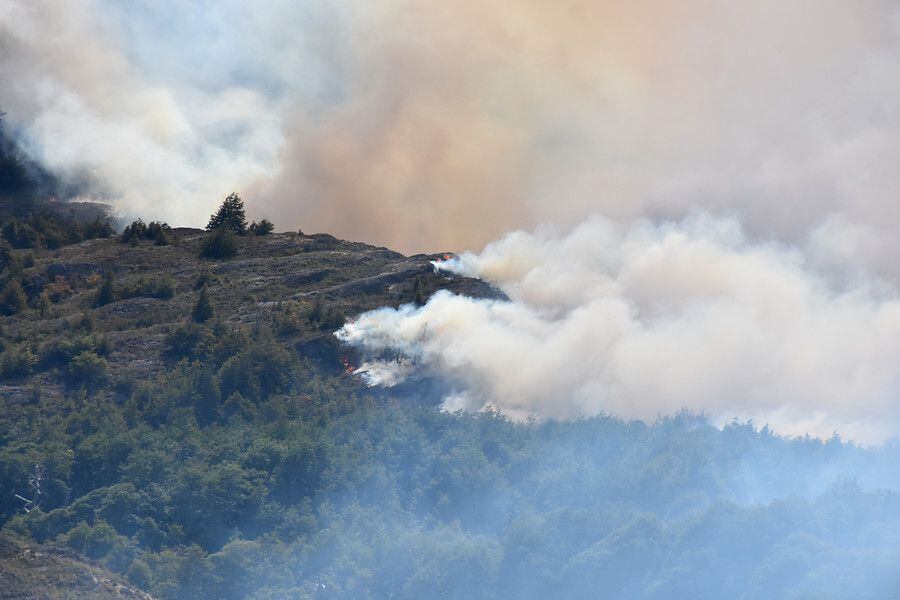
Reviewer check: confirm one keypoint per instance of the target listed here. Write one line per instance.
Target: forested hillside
(175, 408)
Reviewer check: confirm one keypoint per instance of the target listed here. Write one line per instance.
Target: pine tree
(203, 310)
(229, 216)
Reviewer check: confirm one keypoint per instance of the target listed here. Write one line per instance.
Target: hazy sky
(426, 125)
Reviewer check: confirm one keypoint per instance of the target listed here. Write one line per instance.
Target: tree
(12, 300)
(230, 216)
(264, 227)
(203, 310)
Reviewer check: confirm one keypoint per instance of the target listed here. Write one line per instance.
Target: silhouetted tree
(264, 227)
(229, 216)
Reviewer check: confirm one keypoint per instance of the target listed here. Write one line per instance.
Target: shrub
(325, 316)
(149, 287)
(205, 278)
(62, 351)
(230, 216)
(221, 243)
(184, 341)
(87, 368)
(12, 299)
(106, 293)
(158, 232)
(59, 288)
(16, 361)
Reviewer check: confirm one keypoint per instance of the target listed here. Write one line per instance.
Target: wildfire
(349, 369)
(448, 256)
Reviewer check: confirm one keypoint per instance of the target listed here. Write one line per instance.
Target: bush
(230, 216)
(149, 287)
(106, 294)
(264, 227)
(158, 232)
(61, 351)
(87, 368)
(221, 243)
(12, 299)
(185, 340)
(16, 361)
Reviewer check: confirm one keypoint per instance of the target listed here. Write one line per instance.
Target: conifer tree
(203, 310)
(229, 216)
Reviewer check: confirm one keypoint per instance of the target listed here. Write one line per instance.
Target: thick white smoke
(644, 320)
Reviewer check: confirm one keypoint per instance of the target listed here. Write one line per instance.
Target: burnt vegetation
(187, 421)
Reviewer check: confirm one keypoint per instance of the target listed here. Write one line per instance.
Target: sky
(766, 134)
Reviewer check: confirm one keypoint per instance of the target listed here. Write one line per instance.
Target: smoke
(640, 321)
(422, 125)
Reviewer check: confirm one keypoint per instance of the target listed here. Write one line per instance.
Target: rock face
(29, 571)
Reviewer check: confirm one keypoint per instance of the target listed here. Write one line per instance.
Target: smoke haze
(420, 126)
(642, 321)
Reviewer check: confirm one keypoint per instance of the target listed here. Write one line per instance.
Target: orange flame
(348, 367)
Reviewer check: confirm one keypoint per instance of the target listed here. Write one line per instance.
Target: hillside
(29, 571)
(238, 457)
(274, 284)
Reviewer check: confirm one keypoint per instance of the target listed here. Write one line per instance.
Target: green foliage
(258, 371)
(230, 216)
(106, 294)
(12, 298)
(59, 352)
(263, 227)
(86, 368)
(203, 309)
(159, 287)
(16, 361)
(50, 230)
(221, 243)
(157, 232)
(95, 541)
(325, 315)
